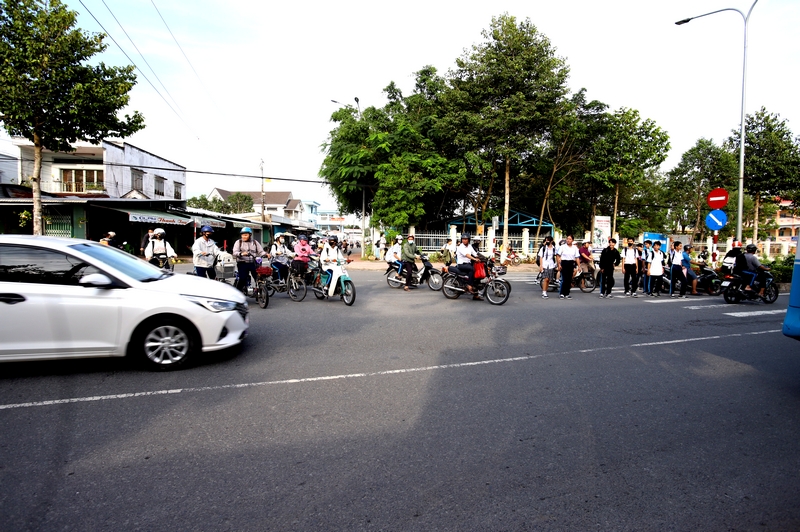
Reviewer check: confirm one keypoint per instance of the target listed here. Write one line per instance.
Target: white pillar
(767, 247)
(526, 241)
(785, 248)
(490, 236)
(453, 234)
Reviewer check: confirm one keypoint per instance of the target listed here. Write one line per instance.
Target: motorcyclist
(394, 255)
(329, 258)
(204, 254)
(245, 251)
(754, 269)
(408, 255)
(465, 254)
(302, 254)
(734, 261)
(158, 246)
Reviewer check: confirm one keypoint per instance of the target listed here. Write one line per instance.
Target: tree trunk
(616, 198)
(505, 212)
(757, 204)
(36, 185)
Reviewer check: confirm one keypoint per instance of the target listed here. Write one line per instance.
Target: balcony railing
(81, 187)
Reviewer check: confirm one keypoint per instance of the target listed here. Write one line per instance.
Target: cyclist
(302, 254)
(280, 258)
(245, 251)
(204, 254)
(158, 248)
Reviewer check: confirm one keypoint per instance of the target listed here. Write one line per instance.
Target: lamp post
(746, 18)
(363, 189)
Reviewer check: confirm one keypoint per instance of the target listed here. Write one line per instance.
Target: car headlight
(214, 305)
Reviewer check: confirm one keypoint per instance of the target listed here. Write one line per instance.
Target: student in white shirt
(568, 255)
(546, 259)
(655, 269)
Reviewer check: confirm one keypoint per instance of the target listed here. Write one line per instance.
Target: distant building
(111, 169)
(275, 203)
(788, 223)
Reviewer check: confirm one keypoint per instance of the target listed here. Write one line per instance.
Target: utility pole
(263, 194)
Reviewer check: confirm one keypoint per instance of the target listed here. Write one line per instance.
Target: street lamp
(363, 189)
(746, 18)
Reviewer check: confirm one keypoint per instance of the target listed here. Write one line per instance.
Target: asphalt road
(408, 411)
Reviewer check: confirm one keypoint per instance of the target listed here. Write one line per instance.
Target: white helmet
(159, 231)
(399, 238)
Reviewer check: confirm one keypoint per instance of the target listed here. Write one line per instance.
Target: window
(160, 186)
(137, 180)
(782, 232)
(178, 191)
(82, 180)
(21, 264)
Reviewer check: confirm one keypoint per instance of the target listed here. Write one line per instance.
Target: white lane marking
(701, 307)
(754, 313)
(96, 398)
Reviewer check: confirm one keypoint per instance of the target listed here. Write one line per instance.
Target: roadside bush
(782, 269)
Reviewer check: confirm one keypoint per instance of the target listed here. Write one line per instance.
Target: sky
(261, 75)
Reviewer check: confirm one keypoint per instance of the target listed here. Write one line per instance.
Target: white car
(70, 298)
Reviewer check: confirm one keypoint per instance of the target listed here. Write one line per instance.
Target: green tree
(506, 91)
(49, 95)
(214, 205)
(239, 203)
(702, 168)
(625, 151)
(771, 162)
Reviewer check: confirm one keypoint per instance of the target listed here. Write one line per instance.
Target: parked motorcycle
(734, 289)
(496, 291)
(709, 280)
(345, 288)
(584, 281)
(428, 274)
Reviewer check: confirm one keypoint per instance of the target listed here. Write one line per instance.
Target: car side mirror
(96, 280)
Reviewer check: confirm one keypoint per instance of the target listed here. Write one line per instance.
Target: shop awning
(213, 222)
(154, 217)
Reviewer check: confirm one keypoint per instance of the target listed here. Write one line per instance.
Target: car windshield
(123, 262)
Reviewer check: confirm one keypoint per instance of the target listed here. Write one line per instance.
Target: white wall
(151, 166)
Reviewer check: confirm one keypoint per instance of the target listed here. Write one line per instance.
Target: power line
(184, 53)
(142, 56)
(188, 171)
(134, 64)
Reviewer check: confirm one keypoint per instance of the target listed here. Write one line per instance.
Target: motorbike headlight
(214, 305)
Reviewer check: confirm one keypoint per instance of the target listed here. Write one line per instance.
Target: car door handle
(11, 298)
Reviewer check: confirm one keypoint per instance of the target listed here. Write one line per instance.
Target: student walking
(568, 255)
(609, 259)
(655, 269)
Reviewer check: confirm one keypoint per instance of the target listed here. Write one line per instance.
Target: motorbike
(294, 285)
(708, 281)
(345, 288)
(734, 289)
(584, 281)
(428, 274)
(495, 290)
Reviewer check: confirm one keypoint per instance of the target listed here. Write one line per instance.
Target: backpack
(447, 256)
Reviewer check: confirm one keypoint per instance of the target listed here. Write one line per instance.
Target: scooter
(345, 288)
(428, 274)
(734, 289)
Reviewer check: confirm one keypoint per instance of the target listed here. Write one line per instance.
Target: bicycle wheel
(349, 295)
(297, 289)
(270, 289)
(587, 284)
(435, 281)
(262, 297)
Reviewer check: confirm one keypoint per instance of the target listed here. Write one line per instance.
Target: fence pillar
(785, 248)
(526, 241)
(412, 230)
(490, 244)
(453, 234)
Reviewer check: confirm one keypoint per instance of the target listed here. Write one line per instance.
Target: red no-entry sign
(717, 198)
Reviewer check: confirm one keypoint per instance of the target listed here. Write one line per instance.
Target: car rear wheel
(165, 343)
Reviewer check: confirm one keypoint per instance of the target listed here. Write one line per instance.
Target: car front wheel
(164, 343)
